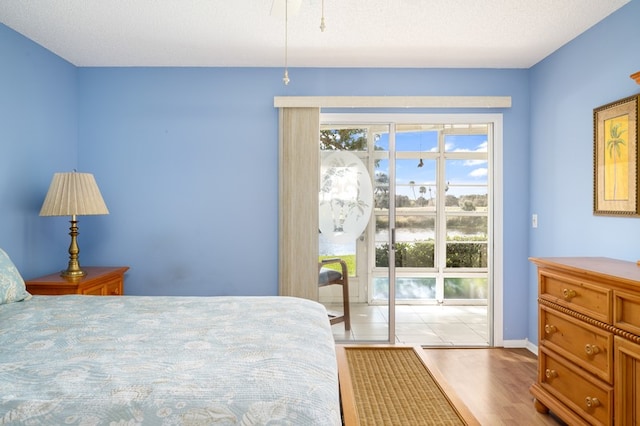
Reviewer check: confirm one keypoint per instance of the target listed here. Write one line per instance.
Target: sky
(464, 176)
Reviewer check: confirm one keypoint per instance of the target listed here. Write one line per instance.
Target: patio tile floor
(432, 325)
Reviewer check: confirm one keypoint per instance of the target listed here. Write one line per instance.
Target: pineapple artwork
(616, 158)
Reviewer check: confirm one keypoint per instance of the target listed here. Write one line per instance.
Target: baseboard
(524, 343)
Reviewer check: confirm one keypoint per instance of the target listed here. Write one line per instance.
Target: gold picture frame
(615, 158)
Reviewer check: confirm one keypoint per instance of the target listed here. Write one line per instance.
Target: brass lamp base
(73, 270)
(72, 274)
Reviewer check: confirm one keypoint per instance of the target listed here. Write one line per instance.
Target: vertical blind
(298, 202)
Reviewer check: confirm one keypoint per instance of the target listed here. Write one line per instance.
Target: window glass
(416, 138)
(460, 142)
(466, 253)
(465, 288)
(415, 182)
(407, 288)
(333, 138)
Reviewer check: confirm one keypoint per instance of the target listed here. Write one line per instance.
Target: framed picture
(615, 158)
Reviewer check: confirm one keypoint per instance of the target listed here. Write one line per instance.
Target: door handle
(393, 239)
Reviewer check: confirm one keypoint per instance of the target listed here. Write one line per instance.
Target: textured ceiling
(359, 33)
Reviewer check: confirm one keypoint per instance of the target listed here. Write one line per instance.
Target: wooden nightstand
(99, 281)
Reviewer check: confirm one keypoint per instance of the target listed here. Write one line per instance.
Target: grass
(350, 260)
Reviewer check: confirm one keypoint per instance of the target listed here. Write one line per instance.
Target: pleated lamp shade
(73, 194)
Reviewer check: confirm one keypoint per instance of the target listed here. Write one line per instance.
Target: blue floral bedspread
(138, 360)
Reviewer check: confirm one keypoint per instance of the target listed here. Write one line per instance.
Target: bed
(121, 360)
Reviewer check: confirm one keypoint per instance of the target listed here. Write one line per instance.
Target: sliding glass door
(420, 271)
(348, 198)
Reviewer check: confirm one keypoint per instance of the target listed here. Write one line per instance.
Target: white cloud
(479, 172)
(472, 163)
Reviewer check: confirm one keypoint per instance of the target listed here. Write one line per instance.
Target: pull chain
(285, 79)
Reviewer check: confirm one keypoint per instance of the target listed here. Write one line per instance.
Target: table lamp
(73, 194)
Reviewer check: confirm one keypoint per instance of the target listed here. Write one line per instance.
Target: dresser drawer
(578, 295)
(626, 311)
(583, 344)
(587, 396)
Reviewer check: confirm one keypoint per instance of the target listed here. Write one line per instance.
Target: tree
(467, 206)
(451, 200)
(346, 140)
(343, 139)
(402, 201)
(381, 191)
(412, 184)
(615, 145)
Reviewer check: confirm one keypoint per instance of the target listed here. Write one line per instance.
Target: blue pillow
(12, 288)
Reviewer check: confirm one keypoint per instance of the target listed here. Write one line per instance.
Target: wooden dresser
(99, 281)
(588, 340)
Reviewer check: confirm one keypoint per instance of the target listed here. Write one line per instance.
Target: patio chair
(330, 276)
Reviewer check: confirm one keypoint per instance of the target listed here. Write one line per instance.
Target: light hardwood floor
(493, 383)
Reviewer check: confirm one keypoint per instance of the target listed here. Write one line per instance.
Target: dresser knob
(551, 374)
(592, 402)
(591, 349)
(550, 329)
(568, 294)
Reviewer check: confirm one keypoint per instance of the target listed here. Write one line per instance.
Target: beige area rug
(394, 385)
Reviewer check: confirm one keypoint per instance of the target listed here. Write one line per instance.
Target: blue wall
(187, 161)
(591, 71)
(38, 136)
